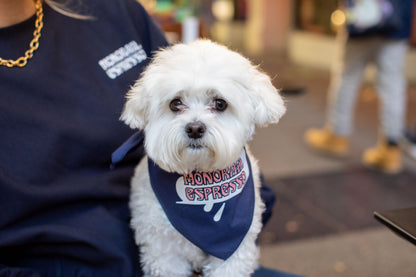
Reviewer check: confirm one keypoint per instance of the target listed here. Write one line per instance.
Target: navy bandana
(213, 210)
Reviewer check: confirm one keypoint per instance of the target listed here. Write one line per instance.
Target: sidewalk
(373, 252)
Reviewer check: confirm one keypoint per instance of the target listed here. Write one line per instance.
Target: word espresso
(200, 188)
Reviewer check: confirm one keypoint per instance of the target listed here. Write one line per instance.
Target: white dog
(195, 200)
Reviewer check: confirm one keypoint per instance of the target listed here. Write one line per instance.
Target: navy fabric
(62, 211)
(266, 272)
(213, 210)
(136, 140)
(269, 198)
(398, 26)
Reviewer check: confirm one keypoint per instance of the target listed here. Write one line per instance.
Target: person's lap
(267, 272)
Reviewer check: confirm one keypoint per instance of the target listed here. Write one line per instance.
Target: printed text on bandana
(208, 188)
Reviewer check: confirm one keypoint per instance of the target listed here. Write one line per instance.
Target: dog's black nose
(195, 130)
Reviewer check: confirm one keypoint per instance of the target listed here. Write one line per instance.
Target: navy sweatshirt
(62, 211)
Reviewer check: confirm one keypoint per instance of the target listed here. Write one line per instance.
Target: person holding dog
(378, 32)
(64, 72)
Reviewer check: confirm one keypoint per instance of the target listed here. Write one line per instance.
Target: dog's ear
(135, 109)
(269, 105)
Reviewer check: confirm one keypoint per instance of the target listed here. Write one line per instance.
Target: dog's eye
(220, 105)
(175, 105)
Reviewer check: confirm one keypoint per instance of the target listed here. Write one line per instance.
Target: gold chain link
(34, 44)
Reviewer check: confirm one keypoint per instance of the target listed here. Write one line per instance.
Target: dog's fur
(197, 73)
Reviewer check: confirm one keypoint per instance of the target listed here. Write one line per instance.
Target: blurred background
(323, 222)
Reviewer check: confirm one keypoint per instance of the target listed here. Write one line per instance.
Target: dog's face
(198, 105)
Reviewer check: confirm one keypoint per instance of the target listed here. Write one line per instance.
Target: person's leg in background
(391, 88)
(343, 90)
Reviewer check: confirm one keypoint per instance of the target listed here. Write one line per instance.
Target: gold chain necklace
(34, 44)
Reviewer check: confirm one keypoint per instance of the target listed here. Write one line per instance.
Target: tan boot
(324, 140)
(385, 158)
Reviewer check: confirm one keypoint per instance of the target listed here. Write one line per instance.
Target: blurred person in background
(378, 32)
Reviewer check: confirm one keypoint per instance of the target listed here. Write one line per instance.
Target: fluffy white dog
(198, 105)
